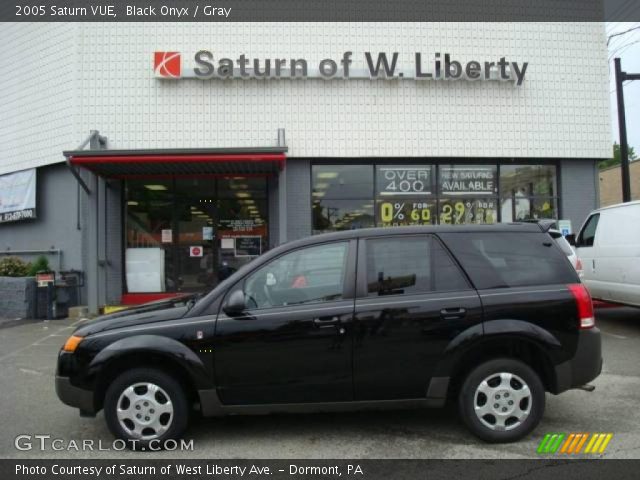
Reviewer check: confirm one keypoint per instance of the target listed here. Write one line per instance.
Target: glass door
(189, 234)
(195, 245)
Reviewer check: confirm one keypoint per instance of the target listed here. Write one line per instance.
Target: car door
(586, 250)
(412, 300)
(293, 342)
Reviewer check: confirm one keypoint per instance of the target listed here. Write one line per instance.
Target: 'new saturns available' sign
(381, 65)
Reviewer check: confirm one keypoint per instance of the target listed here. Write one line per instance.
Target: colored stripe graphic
(573, 443)
(550, 443)
(567, 443)
(598, 443)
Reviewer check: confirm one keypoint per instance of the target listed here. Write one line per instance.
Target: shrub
(41, 264)
(14, 267)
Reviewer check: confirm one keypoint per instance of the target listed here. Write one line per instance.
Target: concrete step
(81, 311)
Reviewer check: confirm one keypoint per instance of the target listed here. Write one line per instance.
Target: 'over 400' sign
(405, 180)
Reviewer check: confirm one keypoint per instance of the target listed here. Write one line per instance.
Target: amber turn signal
(72, 343)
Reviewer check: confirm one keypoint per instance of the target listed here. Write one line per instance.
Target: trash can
(67, 291)
(45, 303)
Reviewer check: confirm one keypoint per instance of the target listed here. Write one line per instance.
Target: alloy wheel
(502, 401)
(144, 411)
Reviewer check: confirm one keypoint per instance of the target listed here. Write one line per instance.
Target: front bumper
(585, 365)
(75, 396)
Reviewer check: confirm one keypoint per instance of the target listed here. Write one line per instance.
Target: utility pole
(621, 77)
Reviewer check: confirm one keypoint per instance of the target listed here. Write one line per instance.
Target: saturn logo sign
(167, 64)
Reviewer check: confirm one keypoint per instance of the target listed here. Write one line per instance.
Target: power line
(613, 35)
(618, 51)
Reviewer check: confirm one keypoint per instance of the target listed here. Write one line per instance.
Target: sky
(627, 47)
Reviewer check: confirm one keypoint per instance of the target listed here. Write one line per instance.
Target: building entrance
(188, 234)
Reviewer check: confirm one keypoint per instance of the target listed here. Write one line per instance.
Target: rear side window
(505, 259)
(410, 265)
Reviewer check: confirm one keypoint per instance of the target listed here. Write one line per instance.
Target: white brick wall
(37, 93)
(561, 110)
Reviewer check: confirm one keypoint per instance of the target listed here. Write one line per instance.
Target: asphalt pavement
(29, 406)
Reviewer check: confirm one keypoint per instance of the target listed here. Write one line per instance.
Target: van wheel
(144, 407)
(501, 400)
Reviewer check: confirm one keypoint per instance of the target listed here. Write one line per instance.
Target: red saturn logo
(167, 64)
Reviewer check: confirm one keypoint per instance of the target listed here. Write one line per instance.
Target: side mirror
(571, 238)
(235, 303)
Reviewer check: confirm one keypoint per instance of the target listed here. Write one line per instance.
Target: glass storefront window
(405, 195)
(413, 194)
(528, 192)
(528, 180)
(188, 234)
(333, 215)
(342, 181)
(528, 208)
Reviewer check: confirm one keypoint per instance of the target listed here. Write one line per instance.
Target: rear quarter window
(510, 259)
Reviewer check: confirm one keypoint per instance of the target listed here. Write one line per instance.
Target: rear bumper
(585, 365)
(75, 396)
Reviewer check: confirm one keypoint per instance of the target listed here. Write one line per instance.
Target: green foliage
(14, 267)
(41, 264)
(615, 160)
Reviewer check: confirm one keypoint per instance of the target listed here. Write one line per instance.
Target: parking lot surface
(29, 406)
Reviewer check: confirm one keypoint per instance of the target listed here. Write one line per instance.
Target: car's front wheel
(501, 400)
(145, 407)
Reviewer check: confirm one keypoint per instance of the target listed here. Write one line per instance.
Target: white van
(608, 247)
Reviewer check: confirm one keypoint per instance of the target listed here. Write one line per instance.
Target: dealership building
(158, 158)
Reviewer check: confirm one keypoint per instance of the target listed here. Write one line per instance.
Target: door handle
(452, 313)
(324, 322)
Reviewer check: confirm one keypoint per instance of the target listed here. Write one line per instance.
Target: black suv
(490, 316)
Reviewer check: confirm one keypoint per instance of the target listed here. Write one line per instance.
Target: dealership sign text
(169, 65)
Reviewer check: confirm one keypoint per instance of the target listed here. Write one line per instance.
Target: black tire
(516, 429)
(175, 423)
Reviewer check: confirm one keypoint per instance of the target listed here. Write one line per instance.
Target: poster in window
(400, 180)
(248, 246)
(399, 211)
(476, 180)
(460, 211)
(18, 196)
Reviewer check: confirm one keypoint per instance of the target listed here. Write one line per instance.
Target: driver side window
(309, 275)
(588, 233)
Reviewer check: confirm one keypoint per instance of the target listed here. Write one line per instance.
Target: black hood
(159, 311)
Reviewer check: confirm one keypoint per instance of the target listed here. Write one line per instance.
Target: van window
(510, 259)
(409, 265)
(588, 233)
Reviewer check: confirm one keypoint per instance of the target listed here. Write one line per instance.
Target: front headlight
(72, 343)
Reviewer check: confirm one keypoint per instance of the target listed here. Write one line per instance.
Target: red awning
(158, 163)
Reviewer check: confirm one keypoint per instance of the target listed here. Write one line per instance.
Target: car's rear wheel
(145, 407)
(501, 400)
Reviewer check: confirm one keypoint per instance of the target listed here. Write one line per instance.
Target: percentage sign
(397, 214)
